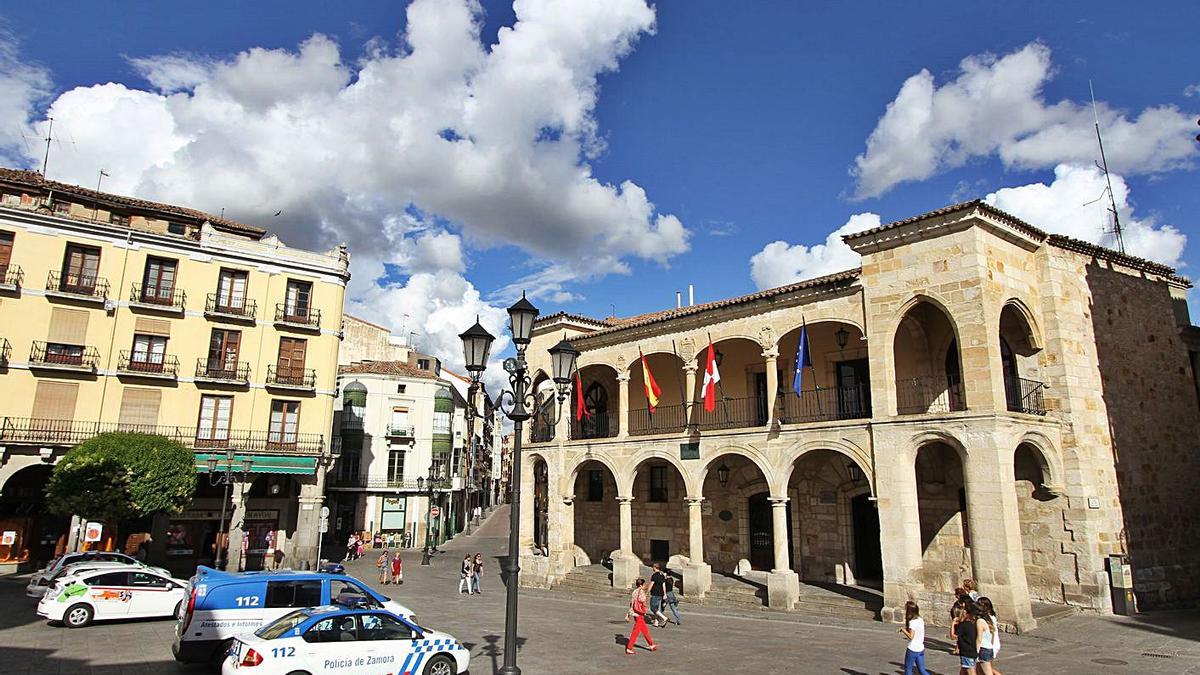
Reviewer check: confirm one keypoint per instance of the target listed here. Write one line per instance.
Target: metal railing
(930, 394)
(540, 430)
(220, 369)
(55, 354)
(297, 316)
(5, 351)
(11, 275)
(71, 432)
(732, 413)
(76, 284)
(1025, 396)
(823, 405)
(375, 483)
(599, 425)
(664, 420)
(244, 308)
(303, 378)
(401, 431)
(148, 364)
(158, 296)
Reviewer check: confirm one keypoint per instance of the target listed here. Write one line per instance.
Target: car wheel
(441, 665)
(222, 650)
(178, 611)
(298, 672)
(77, 616)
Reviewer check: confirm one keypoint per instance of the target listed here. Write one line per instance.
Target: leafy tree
(123, 475)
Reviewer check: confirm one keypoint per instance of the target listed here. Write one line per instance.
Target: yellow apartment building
(123, 314)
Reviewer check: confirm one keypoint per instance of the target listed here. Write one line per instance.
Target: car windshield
(282, 626)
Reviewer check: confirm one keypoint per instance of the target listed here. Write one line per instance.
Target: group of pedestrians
(391, 568)
(973, 628)
(471, 574)
(354, 547)
(646, 604)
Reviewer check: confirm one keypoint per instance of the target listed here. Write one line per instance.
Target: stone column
(899, 528)
(623, 403)
(689, 391)
(308, 518)
(783, 584)
(567, 527)
(625, 564)
(237, 523)
(697, 576)
(527, 489)
(995, 528)
(771, 358)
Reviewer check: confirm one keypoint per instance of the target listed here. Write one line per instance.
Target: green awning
(259, 463)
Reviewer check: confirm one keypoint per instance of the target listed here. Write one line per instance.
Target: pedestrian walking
(914, 632)
(987, 634)
(358, 548)
(350, 547)
(968, 640)
(384, 563)
(658, 582)
(957, 612)
(637, 610)
(971, 589)
(988, 610)
(464, 574)
(477, 573)
(670, 598)
(397, 569)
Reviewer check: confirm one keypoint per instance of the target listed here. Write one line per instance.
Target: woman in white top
(990, 645)
(914, 632)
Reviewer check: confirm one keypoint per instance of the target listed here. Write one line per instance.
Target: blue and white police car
(349, 640)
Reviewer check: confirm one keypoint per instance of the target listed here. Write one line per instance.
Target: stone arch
(764, 464)
(594, 456)
(940, 462)
(1048, 458)
(595, 515)
(541, 479)
(738, 526)
(1021, 311)
(927, 358)
(689, 481)
(601, 394)
(659, 511)
(1041, 511)
(843, 447)
(669, 415)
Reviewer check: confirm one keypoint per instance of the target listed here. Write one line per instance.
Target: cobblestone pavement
(561, 634)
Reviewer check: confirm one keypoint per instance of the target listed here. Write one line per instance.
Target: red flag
(652, 390)
(711, 377)
(581, 410)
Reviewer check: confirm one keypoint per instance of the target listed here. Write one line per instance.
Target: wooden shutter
(68, 326)
(55, 400)
(6, 245)
(139, 407)
(160, 327)
(291, 355)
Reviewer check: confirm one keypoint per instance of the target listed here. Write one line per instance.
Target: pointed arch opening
(942, 509)
(927, 362)
(600, 418)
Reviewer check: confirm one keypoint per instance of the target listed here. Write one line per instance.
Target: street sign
(434, 512)
(324, 511)
(324, 526)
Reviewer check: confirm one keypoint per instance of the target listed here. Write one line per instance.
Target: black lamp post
(428, 484)
(224, 477)
(477, 342)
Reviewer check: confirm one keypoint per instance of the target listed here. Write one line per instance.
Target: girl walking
(670, 599)
(477, 573)
(638, 608)
(914, 632)
(397, 569)
(968, 640)
(464, 574)
(989, 641)
(384, 563)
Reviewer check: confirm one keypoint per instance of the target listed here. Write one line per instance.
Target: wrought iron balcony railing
(376, 483)
(222, 370)
(824, 405)
(400, 431)
(732, 413)
(71, 432)
(11, 276)
(243, 309)
(76, 285)
(148, 365)
(300, 317)
(1025, 396)
(292, 378)
(930, 394)
(598, 425)
(158, 297)
(665, 419)
(57, 355)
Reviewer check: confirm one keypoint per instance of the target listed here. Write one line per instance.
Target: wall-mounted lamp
(856, 474)
(723, 475)
(842, 336)
(46, 454)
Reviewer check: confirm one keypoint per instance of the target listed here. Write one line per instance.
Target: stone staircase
(843, 602)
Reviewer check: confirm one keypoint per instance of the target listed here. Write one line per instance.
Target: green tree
(123, 475)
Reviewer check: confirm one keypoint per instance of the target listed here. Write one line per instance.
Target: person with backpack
(914, 632)
(637, 610)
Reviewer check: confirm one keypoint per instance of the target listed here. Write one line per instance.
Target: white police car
(340, 639)
(108, 593)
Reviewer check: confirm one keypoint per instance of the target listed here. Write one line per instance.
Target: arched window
(595, 401)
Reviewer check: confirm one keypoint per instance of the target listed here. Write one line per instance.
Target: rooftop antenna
(1112, 201)
(96, 203)
(49, 135)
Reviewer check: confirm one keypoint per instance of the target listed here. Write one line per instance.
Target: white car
(38, 586)
(111, 593)
(335, 639)
(78, 557)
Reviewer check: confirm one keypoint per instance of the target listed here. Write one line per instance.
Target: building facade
(984, 401)
(122, 314)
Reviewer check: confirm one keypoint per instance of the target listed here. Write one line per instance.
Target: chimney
(691, 295)
(678, 299)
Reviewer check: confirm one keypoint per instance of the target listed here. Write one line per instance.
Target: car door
(387, 644)
(110, 594)
(153, 595)
(331, 645)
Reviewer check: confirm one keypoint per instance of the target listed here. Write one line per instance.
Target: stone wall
(1043, 540)
(597, 523)
(946, 555)
(667, 520)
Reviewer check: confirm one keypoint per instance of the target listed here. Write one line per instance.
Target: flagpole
(683, 398)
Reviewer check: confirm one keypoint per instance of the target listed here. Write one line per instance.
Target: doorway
(762, 532)
(868, 559)
(854, 389)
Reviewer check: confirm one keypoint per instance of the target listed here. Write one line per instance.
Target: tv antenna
(1103, 166)
(49, 135)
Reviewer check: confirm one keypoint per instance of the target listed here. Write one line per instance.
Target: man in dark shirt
(657, 590)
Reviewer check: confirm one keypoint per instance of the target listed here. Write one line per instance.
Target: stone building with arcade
(986, 401)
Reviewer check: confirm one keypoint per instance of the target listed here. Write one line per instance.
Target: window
(658, 483)
(81, 265)
(293, 594)
(282, 626)
(139, 408)
(110, 579)
(118, 219)
(289, 365)
(231, 291)
(296, 302)
(383, 627)
(400, 388)
(423, 364)
(223, 348)
(64, 354)
(595, 491)
(335, 629)
(337, 588)
(148, 353)
(158, 281)
(396, 466)
(441, 422)
(62, 207)
(399, 420)
(6, 246)
(285, 417)
(176, 228)
(147, 580)
(215, 415)
(350, 460)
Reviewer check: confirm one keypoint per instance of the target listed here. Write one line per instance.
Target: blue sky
(743, 121)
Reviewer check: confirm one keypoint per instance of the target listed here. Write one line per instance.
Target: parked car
(36, 589)
(80, 556)
(110, 593)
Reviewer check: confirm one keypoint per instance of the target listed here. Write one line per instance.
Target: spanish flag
(652, 390)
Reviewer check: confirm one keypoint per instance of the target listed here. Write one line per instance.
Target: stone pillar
(783, 584)
(995, 527)
(527, 489)
(899, 530)
(237, 523)
(697, 576)
(308, 519)
(771, 358)
(623, 403)
(567, 528)
(625, 564)
(689, 389)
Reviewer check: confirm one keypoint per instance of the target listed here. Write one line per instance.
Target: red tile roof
(401, 368)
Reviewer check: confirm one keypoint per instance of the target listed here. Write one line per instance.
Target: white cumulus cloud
(780, 263)
(22, 87)
(995, 106)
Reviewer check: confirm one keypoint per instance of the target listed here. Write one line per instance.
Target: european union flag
(803, 359)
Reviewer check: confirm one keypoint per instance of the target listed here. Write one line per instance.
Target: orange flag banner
(652, 391)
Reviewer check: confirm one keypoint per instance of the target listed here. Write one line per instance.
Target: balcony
(666, 419)
(731, 413)
(155, 366)
(374, 483)
(157, 298)
(299, 379)
(1025, 396)
(77, 287)
(540, 430)
(56, 356)
(352, 417)
(401, 431)
(218, 371)
(230, 309)
(11, 278)
(299, 318)
(599, 425)
(826, 405)
(932, 394)
(14, 430)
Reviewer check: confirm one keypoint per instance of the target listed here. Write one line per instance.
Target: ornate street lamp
(224, 477)
(477, 342)
(723, 475)
(428, 484)
(842, 336)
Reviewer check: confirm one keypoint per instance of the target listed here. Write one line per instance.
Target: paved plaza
(569, 634)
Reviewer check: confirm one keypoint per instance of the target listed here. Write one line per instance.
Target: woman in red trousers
(637, 607)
